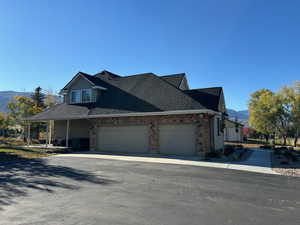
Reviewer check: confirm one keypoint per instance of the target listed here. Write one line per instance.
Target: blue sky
(240, 45)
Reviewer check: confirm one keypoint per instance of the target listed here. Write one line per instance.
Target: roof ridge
(175, 74)
(204, 88)
(140, 74)
(83, 73)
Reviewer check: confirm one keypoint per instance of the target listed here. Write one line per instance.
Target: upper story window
(81, 96)
(86, 95)
(75, 96)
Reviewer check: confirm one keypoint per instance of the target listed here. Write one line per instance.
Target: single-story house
(233, 131)
(143, 113)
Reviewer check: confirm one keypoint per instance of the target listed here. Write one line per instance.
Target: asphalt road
(82, 191)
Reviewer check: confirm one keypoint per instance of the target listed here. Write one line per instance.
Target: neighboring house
(233, 131)
(142, 113)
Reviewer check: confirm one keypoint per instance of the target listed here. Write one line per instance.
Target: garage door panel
(130, 139)
(177, 139)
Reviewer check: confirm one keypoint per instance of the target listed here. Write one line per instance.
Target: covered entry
(177, 139)
(129, 139)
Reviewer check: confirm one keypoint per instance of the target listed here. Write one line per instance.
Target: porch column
(28, 134)
(47, 134)
(50, 131)
(67, 135)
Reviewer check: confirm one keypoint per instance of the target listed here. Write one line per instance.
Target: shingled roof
(209, 97)
(174, 79)
(137, 93)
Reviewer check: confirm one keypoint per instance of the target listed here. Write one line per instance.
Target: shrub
(282, 148)
(278, 152)
(266, 146)
(213, 154)
(230, 146)
(239, 146)
(228, 151)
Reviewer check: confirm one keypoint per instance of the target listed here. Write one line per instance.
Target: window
(86, 95)
(81, 96)
(75, 96)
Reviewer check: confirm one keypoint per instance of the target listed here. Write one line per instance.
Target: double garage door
(173, 139)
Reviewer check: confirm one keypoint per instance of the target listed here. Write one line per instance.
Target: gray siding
(79, 84)
(78, 129)
(184, 84)
(218, 138)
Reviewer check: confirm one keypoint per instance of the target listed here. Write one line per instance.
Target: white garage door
(128, 139)
(177, 139)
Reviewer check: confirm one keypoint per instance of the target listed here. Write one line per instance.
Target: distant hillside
(7, 96)
(242, 115)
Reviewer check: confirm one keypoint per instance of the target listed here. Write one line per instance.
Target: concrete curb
(232, 166)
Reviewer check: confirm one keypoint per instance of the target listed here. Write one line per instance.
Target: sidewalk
(259, 161)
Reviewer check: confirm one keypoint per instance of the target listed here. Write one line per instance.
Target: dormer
(178, 80)
(82, 89)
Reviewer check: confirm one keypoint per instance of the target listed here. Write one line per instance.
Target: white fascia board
(99, 87)
(175, 112)
(62, 92)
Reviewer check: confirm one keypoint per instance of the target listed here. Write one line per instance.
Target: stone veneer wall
(201, 121)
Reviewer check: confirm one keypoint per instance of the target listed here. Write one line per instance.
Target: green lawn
(11, 149)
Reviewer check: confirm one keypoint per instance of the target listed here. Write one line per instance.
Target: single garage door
(177, 139)
(127, 139)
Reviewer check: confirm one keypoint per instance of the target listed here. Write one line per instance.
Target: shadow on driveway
(18, 175)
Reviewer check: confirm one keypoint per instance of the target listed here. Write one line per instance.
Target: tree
(263, 109)
(2, 123)
(21, 108)
(291, 103)
(38, 97)
(285, 114)
(50, 98)
(2, 120)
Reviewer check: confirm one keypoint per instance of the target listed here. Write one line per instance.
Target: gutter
(174, 112)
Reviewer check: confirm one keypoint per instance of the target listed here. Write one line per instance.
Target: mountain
(7, 96)
(242, 115)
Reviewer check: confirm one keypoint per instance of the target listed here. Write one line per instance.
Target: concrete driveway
(259, 160)
(85, 191)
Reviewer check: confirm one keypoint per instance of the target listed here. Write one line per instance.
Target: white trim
(74, 79)
(175, 112)
(99, 87)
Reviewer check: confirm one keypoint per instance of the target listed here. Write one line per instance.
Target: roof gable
(80, 75)
(174, 79)
(106, 74)
(208, 97)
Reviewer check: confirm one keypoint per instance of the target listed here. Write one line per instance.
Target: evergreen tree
(38, 97)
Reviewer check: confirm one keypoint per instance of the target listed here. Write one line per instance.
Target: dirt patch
(285, 166)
